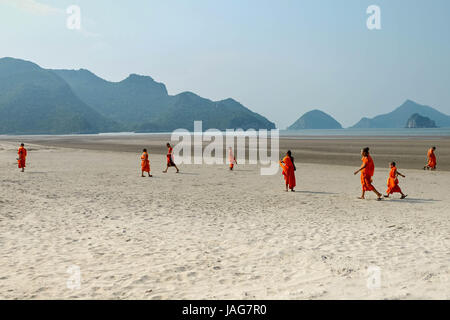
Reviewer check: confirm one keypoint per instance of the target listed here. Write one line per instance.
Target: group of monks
(367, 169)
(145, 162)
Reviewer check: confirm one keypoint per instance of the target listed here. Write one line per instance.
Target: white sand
(210, 233)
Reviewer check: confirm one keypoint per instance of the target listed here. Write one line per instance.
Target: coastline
(409, 153)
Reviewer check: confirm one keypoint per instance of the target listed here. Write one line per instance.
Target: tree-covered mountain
(315, 119)
(133, 101)
(398, 117)
(141, 104)
(34, 100)
(37, 101)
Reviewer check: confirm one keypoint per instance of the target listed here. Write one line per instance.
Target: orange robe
(231, 159)
(367, 173)
(145, 163)
(22, 157)
(288, 172)
(431, 159)
(392, 182)
(170, 162)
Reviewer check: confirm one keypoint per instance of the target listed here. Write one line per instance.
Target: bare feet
(362, 198)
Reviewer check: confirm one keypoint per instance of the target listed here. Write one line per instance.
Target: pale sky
(279, 58)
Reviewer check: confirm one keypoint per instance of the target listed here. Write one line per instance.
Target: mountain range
(34, 100)
(398, 117)
(407, 113)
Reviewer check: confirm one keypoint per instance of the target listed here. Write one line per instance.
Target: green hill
(36, 101)
(315, 119)
(141, 104)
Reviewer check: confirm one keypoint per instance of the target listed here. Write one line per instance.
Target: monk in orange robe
(367, 171)
(392, 182)
(145, 163)
(231, 158)
(431, 159)
(288, 166)
(21, 160)
(170, 162)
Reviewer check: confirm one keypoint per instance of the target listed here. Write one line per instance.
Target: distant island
(398, 117)
(34, 100)
(418, 121)
(315, 119)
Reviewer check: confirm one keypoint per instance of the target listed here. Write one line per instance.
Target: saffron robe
(22, 157)
(170, 162)
(145, 163)
(231, 158)
(367, 173)
(431, 159)
(288, 172)
(392, 182)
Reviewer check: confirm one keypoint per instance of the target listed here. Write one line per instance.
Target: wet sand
(409, 153)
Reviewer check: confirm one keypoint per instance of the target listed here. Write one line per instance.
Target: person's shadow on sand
(188, 173)
(413, 200)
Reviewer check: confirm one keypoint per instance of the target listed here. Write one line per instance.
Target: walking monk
(392, 182)
(367, 170)
(170, 162)
(231, 158)
(145, 163)
(431, 159)
(21, 160)
(288, 166)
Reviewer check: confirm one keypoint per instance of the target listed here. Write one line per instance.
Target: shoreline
(409, 153)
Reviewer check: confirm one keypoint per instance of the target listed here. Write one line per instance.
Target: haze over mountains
(398, 117)
(34, 100)
(317, 119)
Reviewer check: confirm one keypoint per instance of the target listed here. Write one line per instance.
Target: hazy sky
(279, 58)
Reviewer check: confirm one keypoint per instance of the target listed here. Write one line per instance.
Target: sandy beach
(208, 233)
